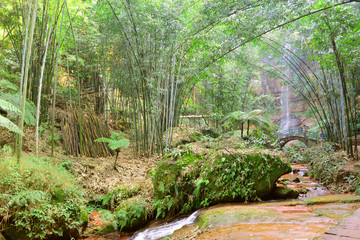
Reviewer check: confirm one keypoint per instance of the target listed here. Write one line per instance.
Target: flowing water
(272, 219)
(165, 229)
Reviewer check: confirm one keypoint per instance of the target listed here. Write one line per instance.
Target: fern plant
(116, 142)
(9, 104)
(8, 107)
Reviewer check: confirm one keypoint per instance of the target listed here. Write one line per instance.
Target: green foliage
(6, 150)
(30, 108)
(262, 140)
(6, 123)
(116, 141)
(7, 85)
(8, 106)
(9, 102)
(190, 181)
(114, 197)
(235, 119)
(293, 154)
(128, 215)
(39, 199)
(324, 162)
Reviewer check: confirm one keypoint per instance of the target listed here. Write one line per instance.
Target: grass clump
(39, 200)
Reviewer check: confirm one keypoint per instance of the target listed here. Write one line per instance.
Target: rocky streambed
(307, 217)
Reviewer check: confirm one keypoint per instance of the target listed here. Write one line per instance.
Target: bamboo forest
(179, 119)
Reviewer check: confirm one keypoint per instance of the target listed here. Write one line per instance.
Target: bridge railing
(298, 132)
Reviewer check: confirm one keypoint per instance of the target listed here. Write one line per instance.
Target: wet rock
(295, 170)
(284, 193)
(191, 182)
(303, 190)
(296, 180)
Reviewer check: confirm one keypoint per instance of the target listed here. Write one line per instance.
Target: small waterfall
(285, 108)
(166, 229)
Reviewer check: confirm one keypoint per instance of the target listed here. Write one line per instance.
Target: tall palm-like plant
(116, 142)
(251, 118)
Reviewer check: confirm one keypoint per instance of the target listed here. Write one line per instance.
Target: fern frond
(9, 107)
(103, 139)
(123, 143)
(6, 123)
(30, 108)
(117, 141)
(116, 136)
(5, 84)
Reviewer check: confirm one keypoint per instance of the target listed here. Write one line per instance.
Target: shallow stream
(271, 219)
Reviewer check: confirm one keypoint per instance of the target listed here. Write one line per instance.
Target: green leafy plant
(239, 118)
(111, 199)
(39, 200)
(116, 142)
(6, 106)
(5, 150)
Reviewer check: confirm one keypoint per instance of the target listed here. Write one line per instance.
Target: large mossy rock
(182, 136)
(284, 193)
(188, 181)
(130, 215)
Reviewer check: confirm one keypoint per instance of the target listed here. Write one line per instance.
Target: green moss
(284, 192)
(335, 199)
(189, 182)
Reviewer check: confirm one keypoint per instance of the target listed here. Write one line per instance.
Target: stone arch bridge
(309, 138)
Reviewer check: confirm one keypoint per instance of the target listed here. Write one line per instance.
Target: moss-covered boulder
(182, 136)
(132, 214)
(284, 193)
(188, 181)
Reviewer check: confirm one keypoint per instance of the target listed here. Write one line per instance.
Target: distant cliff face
(296, 106)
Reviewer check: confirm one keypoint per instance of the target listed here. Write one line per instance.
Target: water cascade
(166, 229)
(286, 121)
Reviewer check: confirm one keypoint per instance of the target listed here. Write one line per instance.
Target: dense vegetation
(74, 70)
(39, 199)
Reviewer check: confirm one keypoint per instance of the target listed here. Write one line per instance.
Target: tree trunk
(242, 129)
(47, 39)
(117, 154)
(26, 77)
(248, 127)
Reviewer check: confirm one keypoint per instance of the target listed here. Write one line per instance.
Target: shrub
(293, 155)
(40, 200)
(324, 162)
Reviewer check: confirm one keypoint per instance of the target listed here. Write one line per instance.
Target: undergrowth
(324, 162)
(39, 199)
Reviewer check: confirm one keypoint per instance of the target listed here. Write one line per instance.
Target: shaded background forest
(141, 65)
